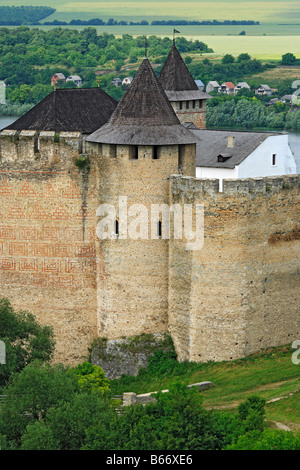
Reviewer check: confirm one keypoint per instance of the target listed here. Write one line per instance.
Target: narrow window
(194, 104)
(155, 152)
(134, 152)
(159, 229)
(274, 159)
(116, 228)
(200, 103)
(180, 104)
(187, 105)
(180, 156)
(113, 151)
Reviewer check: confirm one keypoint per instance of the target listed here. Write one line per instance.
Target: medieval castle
(79, 149)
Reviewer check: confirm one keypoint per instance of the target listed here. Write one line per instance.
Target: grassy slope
(270, 374)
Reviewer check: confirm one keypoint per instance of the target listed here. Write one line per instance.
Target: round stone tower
(188, 102)
(135, 153)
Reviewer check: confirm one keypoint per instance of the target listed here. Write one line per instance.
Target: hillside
(269, 374)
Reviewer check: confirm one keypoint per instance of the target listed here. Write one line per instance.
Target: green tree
(91, 378)
(24, 338)
(228, 59)
(269, 439)
(33, 391)
(243, 57)
(65, 425)
(288, 59)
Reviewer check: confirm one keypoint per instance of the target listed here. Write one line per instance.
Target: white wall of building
(219, 173)
(258, 163)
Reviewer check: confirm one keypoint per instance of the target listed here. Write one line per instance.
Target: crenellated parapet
(189, 188)
(44, 147)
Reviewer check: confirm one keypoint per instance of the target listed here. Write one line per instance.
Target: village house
(227, 87)
(127, 81)
(241, 85)
(116, 82)
(212, 86)
(263, 90)
(200, 85)
(76, 79)
(58, 77)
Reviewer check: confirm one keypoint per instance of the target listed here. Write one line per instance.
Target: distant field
(267, 11)
(277, 34)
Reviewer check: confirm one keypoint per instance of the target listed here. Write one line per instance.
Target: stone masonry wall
(134, 297)
(47, 236)
(195, 115)
(240, 292)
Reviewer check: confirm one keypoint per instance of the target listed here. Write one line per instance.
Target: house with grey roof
(240, 86)
(212, 86)
(263, 90)
(232, 154)
(76, 79)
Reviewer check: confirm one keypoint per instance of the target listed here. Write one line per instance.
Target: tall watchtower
(187, 100)
(135, 153)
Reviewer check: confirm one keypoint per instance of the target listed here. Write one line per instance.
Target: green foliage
(245, 112)
(252, 413)
(31, 394)
(65, 425)
(91, 378)
(25, 340)
(269, 439)
(288, 59)
(82, 162)
(228, 59)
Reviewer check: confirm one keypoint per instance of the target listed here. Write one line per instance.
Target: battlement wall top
(190, 187)
(31, 145)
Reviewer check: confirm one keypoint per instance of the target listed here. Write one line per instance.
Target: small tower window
(180, 104)
(116, 228)
(180, 156)
(155, 152)
(194, 104)
(200, 103)
(274, 159)
(134, 152)
(187, 105)
(159, 229)
(113, 151)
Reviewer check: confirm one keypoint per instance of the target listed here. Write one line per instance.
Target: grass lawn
(270, 374)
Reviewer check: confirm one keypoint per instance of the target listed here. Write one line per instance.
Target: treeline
(113, 22)
(203, 23)
(250, 113)
(23, 15)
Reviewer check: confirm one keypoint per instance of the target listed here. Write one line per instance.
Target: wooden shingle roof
(74, 110)
(144, 116)
(177, 81)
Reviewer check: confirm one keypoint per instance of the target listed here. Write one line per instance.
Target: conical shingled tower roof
(144, 116)
(175, 74)
(177, 81)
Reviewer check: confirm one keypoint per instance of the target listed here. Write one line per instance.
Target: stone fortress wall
(234, 296)
(240, 292)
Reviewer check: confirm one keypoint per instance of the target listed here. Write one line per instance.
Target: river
(294, 138)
